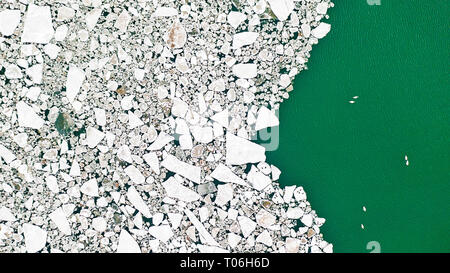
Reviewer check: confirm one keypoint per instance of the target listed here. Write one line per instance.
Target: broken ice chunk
(6, 154)
(241, 151)
(35, 73)
(307, 220)
(90, 188)
(35, 238)
(163, 232)
(9, 20)
(52, 184)
(265, 219)
(161, 141)
(177, 36)
(137, 201)
(127, 244)
(179, 108)
(233, 239)
(266, 118)
(260, 7)
(27, 117)
(281, 8)
(152, 161)
(135, 175)
(165, 12)
(202, 134)
(75, 78)
(257, 179)
(200, 228)
(174, 189)
(38, 25)
(75, 169)
(244, 38)
(124, 153)
(99, 224)
(181, 64)
(306, 30)
(265, 238)
(59, 218)
(322, 8)
(13, 71)
(52, 50)
(222, 118)
(245, 71)
(122, 21)
(225, 174)
(294, 213)
(224, 194)
(247, 225)
(236, 18)
(175, 219)
(134, 121)
(191, 172)
(127, 102)
(92, 18)
(93, 137)
(100, 116)
(65, 13)
(6, 215)
(321, 31)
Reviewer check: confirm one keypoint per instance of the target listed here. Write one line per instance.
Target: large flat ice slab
(191, 172)
(127, 244)
(137, 201)
(174, 189)
(35, 238)
(38, 25)
(321, 30)
(225, 174)
(242, 151)
(9, 20)
(282, 8)
(245, 71)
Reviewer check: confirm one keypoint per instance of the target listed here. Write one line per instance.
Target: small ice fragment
(90, 188)
(244, 38)
(236, 18)
(165, 12)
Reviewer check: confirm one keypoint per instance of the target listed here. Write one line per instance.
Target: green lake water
(395, 57)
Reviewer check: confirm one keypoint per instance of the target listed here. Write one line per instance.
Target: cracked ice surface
(127, 126)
